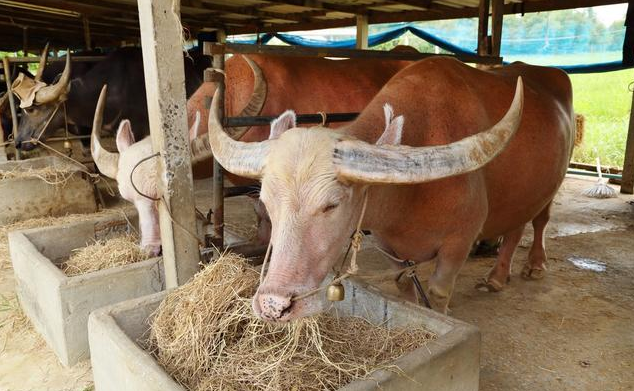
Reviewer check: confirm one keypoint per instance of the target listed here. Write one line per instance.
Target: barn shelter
(84, 25)
(156, 26)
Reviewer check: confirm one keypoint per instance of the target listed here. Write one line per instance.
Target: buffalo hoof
(530, 272)
(490, 285)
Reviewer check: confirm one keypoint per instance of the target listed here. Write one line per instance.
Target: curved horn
(40, 69)
(240, 158)
(107, 162)
(256, 103)
(359, 161)
(54, 92)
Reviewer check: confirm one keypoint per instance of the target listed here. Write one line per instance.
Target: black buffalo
(122, 71)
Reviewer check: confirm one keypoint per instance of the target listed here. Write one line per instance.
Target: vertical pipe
(218, 201)
(87, 41)
(25, 40)
(14, 113)
(627, 183)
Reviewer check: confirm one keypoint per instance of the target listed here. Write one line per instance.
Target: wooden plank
(362, 31)
(483, 27)
(165, 90)
(627, 184)
(237, 48)
(86, 25)
(497, 19)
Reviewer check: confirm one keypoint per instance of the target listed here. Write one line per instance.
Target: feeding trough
(450, 362)
(46, 186)
(59, 305)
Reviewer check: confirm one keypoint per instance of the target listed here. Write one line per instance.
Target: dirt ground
(573, 330)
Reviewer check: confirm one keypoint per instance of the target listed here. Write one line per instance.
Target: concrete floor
(573, 330)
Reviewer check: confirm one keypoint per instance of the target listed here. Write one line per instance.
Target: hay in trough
(56, 176)
(104, 254)
(5, 259)
(206, 336)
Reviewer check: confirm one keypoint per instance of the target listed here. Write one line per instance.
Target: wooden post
(483, 28)
(362, 31)
(165, 89)
(87, 41)
(627, 181)
(14, 112)
(497, 19)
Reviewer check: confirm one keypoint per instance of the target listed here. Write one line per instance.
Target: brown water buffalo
(254, 84)
(456, 165)
(304, 85)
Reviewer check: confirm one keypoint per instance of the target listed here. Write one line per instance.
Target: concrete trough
(449, 363)
(58, 305)
(28, 197)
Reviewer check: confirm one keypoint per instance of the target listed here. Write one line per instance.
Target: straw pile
(205, 335)
(104, 254)
(5, 260)
(55, 176)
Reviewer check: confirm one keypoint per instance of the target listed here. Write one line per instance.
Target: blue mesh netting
(574, 40)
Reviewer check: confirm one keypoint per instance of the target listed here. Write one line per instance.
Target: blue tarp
(394, 33)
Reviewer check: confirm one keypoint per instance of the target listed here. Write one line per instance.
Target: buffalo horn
(54, 92)
(258, 97)
(106, 161)
(240, 158)
(40, 69)
(359, 161)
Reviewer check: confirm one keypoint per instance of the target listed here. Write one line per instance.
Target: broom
(601, 188)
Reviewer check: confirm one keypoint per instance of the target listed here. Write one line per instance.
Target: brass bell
(335, 292)
(68, 145)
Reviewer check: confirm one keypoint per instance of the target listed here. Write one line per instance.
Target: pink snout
(272, 307)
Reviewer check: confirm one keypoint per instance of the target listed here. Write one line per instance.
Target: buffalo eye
(330, 207)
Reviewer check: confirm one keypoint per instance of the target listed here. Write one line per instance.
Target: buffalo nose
(273, 306)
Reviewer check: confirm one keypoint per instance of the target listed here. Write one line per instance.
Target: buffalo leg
(535, 268)
(149, 226)
(451, 256)
(500, 275)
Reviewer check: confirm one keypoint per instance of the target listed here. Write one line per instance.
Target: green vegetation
(605, 101)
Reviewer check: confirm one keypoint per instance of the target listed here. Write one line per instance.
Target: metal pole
(14, 113)
(25, 40)
(218, 200)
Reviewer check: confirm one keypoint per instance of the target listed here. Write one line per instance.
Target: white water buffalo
(456, 164)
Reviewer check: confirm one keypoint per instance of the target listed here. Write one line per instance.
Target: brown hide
(305, 85)
(417, 221)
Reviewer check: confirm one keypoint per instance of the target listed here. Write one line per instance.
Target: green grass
(605, 101)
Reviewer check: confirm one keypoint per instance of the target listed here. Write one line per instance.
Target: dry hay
(15, 326)
(5, 259)
(206, 336)
(55, 176)
(104, 254)
(580, 123)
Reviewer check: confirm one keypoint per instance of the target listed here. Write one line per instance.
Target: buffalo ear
(282, 123)
(125, 138)
(393, 132)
